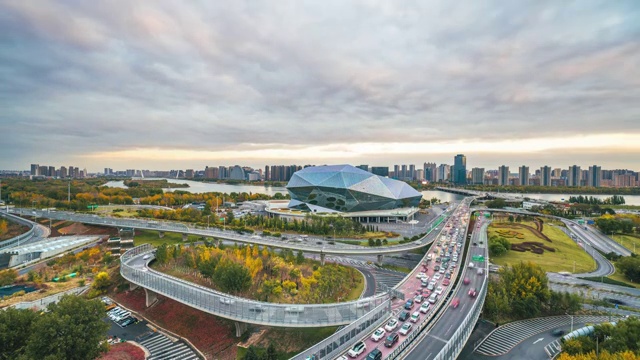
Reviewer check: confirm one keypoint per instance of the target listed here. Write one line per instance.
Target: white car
(437, 276)
(391, 325)
(418, 299)
(420, 275)
(425, 278)
(357, 349)
(439, 290)
(145, 257)
(432, 285)
(424, 308)
(415, 317)
(404, 330)
(378, 334)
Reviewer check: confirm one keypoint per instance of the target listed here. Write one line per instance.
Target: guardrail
(342, 339)
(45, 301)
(10, 242)
(241, 309)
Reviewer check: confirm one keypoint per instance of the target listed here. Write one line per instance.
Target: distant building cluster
(456, 174)
(62, 172)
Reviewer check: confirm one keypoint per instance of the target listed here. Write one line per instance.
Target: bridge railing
(330, 347)
(17, 239)
(241, 309)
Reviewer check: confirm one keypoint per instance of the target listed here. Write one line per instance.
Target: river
(201, 187)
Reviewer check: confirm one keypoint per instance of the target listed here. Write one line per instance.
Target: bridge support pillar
(322, 259)
(160, 234)
(150, 297)
(380, 258)
(240, 328)
(132, 286)
(185, 237)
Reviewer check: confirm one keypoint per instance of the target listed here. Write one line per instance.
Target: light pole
(208, 216)
(571, 321)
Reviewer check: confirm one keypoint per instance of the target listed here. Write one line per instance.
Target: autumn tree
(101, 282)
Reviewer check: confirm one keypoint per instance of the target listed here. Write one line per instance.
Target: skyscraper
(396, 171)
(460, 170)
(477, 176)
(430, 170)
(380, 170)
(545, 176)
(443, 173)
(34, 169)
(595, 176)
(503, 175)
(523, 178)
(411, 175)
(403, 173)
(574, 176)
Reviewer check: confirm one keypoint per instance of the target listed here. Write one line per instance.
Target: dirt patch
(74, 229)
(81, 229)
(13, 230)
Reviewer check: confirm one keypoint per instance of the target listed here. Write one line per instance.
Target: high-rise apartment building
(430, 171)
(35, 168)
(477, 176)
(63, 172)
(189, 174)
(545, 176)
(52, 171)
(363, 167)
(460, 170)
(574, 176)
(419, 175)
(396, 171)
(594, 176)
(503, 175)
(411, 175)
(443, 173)
(523, 175)
(403, 173)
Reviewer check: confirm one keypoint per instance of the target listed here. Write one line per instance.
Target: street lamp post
(208, 216)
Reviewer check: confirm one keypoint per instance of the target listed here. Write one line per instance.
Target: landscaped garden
(536, 241)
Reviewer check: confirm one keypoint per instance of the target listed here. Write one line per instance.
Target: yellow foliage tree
(3, 227)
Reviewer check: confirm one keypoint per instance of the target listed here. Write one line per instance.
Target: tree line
(522, 291)
(613, 200)
(71, 329)
(606, 342)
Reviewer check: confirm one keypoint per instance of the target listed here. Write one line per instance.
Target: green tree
(72, 329)
(271, 354)
(630, 267)
(251, 354)
(15, 329)
(299, 258)
(232, 277)
(162, 255)
(378, 242)
(8, 277)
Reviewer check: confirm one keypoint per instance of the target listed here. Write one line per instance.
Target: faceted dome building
(344, 188)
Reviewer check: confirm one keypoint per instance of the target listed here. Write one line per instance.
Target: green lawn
(152, 237)
(628, 241)
(567, 252)
(619, 276)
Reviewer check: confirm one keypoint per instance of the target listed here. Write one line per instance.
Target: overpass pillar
(240, 328)
(185, 237)
(322, 259)
(132, 286)
(380, 258)
(160, 234)
(150, 297)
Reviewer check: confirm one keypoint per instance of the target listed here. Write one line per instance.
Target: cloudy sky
(184, 84)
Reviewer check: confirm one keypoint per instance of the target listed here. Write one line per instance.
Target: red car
(445, 282)
(455, 303)
(466, 281)
(472, 292)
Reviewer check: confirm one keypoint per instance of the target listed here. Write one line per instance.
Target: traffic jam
(424, 288)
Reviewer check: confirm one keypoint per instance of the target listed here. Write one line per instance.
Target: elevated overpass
(288, 243)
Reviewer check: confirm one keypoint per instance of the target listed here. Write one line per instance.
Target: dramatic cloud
(187, 84)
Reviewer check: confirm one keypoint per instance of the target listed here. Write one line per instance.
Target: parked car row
(121, 317)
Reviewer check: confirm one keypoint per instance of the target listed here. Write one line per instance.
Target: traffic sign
(477, 258)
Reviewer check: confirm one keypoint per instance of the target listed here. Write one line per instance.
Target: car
(466, 281)
(439, 290)
(378, 334)
(375, 354)
(455, 303)
(130, 320)
(472, 292)
(445, 282)
(432, 285)
(405, 329)
(415, 316)
(424, 308)
(391, 339)
(424, 284)
(442, 270)
(436, 268)
(403, 316)
(110, 306)
(471, 265)
(391, 325)
(557, 332)
(433, 298)
(357, 349)
(480, 271)
(408, 305)
(420, 275)
(146, 257)
(447, 275)
(425, 278)
(418, 299)
(437, 276)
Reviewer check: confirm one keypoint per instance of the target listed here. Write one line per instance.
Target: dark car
(403, 316)
(375, 354)
(557, 332)
(408, 305)
(391, 339)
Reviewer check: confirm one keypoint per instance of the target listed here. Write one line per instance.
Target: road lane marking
(537, 341)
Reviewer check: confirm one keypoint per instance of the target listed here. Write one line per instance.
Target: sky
(189, 84)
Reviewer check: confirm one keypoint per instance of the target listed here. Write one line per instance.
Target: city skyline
(180, 85)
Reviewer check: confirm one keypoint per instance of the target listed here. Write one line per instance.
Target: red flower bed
(124, 351)
(212, 335)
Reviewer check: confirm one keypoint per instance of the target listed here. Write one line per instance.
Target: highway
(451, 318)
(293, 242)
